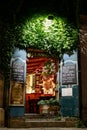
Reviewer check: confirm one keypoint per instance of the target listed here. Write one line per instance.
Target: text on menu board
(69, 74)
(17, 71)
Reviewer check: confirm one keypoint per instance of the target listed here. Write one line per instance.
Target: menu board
(69, 74)
(16, 93)
(17, 71)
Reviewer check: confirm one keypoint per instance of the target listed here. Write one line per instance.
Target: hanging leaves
(59, 38)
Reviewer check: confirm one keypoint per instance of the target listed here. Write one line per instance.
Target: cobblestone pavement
(44, 128)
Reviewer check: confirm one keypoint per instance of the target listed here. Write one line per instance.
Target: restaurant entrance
(41, 79)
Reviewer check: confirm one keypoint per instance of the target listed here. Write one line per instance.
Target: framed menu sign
(17, 70)
(69, 74)
(16, 93)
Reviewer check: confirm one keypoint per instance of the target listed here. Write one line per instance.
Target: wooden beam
(33, 60)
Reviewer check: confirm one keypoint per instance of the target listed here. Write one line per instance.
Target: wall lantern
(48, 22)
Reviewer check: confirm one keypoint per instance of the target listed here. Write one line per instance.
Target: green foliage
(80, 124)
(6, 46)
(43, 102)
(48, 68)
(59, 38)
(51, 101)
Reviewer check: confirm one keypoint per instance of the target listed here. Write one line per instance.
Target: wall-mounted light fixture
(48, 22)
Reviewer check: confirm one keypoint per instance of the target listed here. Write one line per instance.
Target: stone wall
(1, 100)
(83, 66)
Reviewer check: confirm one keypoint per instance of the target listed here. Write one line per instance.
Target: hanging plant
(48, 68)
(57, 38)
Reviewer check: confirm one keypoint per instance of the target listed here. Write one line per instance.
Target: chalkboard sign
(17, 71)
(69, 74)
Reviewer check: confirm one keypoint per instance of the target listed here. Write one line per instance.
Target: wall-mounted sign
(17, 70)
(37, 53)
(67, 92)
(16, 93)
(69, 74)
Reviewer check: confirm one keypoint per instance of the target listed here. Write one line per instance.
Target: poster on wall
(67, 92)
(16, 93)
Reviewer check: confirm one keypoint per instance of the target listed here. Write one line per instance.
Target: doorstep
(37, 120)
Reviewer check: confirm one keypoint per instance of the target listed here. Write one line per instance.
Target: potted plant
(43, 106)
(54, 106)
(50, 106)
(54, 102)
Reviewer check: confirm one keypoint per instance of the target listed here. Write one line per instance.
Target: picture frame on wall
(16, 97)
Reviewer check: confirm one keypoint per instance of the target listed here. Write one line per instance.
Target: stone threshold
(36, 121)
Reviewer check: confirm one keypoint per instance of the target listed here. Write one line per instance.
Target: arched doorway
(41, 78)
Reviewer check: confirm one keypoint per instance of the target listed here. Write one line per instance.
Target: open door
(40, 79)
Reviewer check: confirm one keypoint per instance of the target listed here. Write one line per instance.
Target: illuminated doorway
(41, 78)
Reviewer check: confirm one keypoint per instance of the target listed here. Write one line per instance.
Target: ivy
(7, 41)
(59, 38)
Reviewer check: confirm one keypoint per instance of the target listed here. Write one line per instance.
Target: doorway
(41, 78)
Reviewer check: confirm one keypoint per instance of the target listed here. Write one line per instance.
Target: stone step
(44, 123)
(33, 116)
(37, 120)
(39, 116)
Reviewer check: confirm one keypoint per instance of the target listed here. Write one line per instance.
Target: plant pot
(54, 110)
(44, 109)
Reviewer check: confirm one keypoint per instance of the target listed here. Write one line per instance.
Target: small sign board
(17, 71)
(69, 74)
(67, 92)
